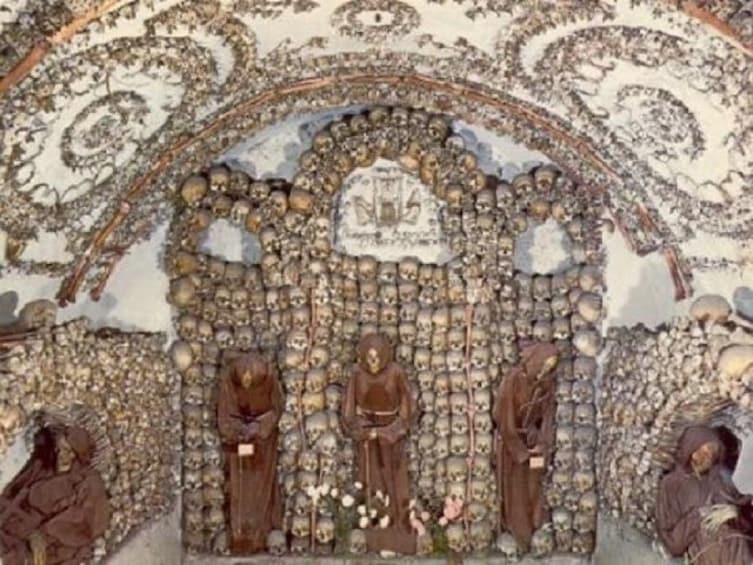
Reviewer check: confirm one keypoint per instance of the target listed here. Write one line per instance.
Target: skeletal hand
(38, 548)
(713, 517)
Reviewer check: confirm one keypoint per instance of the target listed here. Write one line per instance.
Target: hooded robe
(382, 402)
(683, 494)
(254, 503)
(524, 414)
(69, 509)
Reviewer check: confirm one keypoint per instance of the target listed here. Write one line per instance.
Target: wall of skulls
(123, 390)
(696, 369)
(457, 327)
(626, 95)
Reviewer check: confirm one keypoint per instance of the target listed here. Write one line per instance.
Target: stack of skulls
(124, 387)
(696, 369)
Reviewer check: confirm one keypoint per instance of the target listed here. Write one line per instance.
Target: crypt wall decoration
(695, 370)
(456, 327)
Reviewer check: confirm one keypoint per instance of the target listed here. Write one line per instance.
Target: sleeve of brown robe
(229, 421)
(676, 529)
(407, 409)
(546, 433)
(349, 418)
(505, 413)
(86, 519)
(268, 420)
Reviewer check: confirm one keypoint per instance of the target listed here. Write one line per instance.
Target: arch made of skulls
(456, 327)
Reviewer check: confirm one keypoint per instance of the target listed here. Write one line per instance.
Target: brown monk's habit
(382, 402)
(524, 413)
(250, 416)
(682, 496)
(69, 509)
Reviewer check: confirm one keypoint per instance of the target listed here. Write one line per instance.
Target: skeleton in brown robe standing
(698, 509)
(56, 507)
(377, 412)
(524, 414)
(249, 405)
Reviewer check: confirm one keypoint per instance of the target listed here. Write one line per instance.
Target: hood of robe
(81, 442)
(382, 346)
(533, 357)
(252, 362)
(693, 438)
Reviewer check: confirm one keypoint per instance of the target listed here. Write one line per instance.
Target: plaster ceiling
(107, 105)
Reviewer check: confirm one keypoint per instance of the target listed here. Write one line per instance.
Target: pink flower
(418, 526)
(443, 521)
(453, 508)
(425, 516)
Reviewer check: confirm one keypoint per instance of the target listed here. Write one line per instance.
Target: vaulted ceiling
(109, 104)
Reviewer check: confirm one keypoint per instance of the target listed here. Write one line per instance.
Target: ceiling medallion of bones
(375, 20)
(305, 307)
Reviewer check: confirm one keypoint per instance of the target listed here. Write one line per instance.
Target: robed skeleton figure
(249, 405)
(699, 511)
(377, 412)
(52, 512)
(524, 413)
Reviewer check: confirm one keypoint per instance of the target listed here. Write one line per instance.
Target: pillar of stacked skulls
(118, 386)
(457, 328)
(697, 369)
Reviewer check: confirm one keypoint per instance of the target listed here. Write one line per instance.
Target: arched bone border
(131, 214)
(224, 305)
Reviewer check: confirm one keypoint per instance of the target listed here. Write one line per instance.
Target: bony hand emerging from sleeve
(712, 517)
(38, 548)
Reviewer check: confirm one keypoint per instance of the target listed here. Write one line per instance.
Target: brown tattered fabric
(248, 417)
(65, 511)
(524, 413)
(380, 404)
(683, 497)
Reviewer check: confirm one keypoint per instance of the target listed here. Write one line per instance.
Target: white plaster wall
(639, 290)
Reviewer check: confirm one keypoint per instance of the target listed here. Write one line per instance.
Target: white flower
(312, 492)
(362, 510)
(384, 521)
(379, 496)
(324, 489)
(357, 485)
(372, 513)
(334, 493)
(363, 522)
(412, 504)
(348, 501)
(387, 500)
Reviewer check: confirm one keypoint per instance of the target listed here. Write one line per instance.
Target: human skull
(276, 543)
(357, 542)
(301, 526)
(583, 479)
(542, 542)
(459, 444)
(456, 539)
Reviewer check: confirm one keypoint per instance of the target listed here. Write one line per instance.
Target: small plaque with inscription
(245, 449)
(536, 462)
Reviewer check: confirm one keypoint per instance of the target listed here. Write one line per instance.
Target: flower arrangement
(358, 510)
